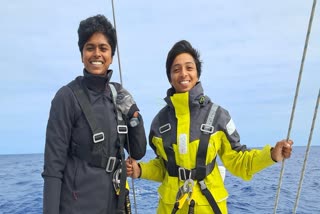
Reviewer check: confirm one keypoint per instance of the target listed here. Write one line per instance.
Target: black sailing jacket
(71, 185)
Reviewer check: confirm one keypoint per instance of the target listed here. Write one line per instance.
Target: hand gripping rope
(295, 99)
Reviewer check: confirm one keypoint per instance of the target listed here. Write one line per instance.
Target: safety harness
(200, 171)
(94, 156)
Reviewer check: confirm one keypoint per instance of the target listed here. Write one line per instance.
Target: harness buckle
(182, 173)
(206, 128)
(111, 163)
(98, 137)
(122, 129)
(203, 186)
(165, 128)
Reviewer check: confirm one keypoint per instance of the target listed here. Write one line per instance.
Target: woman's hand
(282, 150)
(133, 168)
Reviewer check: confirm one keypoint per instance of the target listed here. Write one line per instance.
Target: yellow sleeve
(153, 170)
(245, 164)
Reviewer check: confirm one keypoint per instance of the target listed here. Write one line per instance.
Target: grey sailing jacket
(72, 185)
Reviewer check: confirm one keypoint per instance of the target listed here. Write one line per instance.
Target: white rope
(295, 100)
(119, 64)
(118, 52)
(307, 153)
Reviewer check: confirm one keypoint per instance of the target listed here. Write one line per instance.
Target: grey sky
(251, 53)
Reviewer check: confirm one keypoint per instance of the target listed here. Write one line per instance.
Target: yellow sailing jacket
(186, 112)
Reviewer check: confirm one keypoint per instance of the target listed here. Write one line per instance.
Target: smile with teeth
(96, 63)
(184, 82)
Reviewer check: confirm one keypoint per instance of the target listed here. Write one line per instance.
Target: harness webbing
(123, 178)
(201, 170)
(171, 165)
(95, 158)
(98, 135)
(207, 129)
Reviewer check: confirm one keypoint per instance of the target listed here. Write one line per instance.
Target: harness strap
(184, 174)
(167, 141)
(97, 134)
(95, 157)
(79, 91)
(206, 130)
(201, 170)
(122, 137)
(209, 197)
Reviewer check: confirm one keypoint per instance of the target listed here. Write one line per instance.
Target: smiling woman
(183, 75)
(188, 135)
(97, 54)
(84, 144)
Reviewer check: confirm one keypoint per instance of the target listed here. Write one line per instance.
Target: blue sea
(21, 186)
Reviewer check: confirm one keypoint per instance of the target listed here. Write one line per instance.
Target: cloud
(251, 54)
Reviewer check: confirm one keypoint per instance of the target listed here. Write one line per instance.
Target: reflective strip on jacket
(187, 111)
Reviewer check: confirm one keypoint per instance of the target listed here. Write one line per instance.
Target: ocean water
(21, 187)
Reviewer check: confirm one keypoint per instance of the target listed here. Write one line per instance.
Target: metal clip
(203, 186)
(98, 137)
(182, 173)
(122, 129)
(206, 128)
(185, 193)
(165, 128)
(111, 163)
(116, 180)
(188, 185)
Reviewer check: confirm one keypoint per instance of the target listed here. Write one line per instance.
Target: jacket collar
(196, 95)
(96, 82)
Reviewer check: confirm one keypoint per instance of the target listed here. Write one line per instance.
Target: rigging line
(119, 64)
(307, 153)
(118, 52)
(295, 99)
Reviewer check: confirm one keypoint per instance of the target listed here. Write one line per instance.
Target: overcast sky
(251, 53)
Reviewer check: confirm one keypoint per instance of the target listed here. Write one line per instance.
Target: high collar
(196, 95)
(96, 82)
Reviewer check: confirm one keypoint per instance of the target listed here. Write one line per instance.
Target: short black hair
(180, 47)
(98, 23)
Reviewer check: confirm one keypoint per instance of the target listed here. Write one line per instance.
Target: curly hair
(180, 47)
(94, 24)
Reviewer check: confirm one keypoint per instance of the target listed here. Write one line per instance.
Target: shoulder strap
(206, 130)
(83, 99)
(165, 131)
(201, 169)
(122, 134)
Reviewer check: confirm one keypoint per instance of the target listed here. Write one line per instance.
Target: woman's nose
(97, 52)
(183, 72)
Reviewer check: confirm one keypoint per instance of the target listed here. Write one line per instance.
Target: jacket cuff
(51, 195)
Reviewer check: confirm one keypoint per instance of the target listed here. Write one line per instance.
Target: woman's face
(96, 54)
(183, 73)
